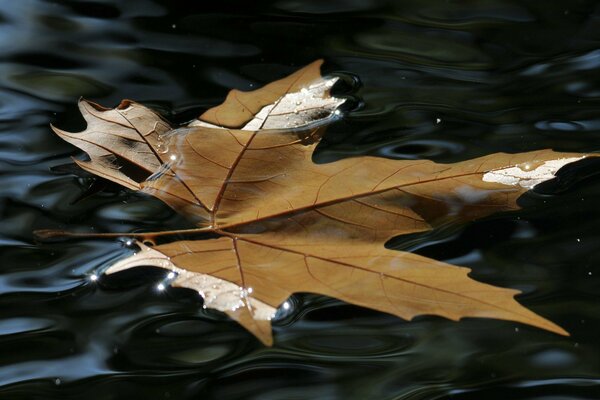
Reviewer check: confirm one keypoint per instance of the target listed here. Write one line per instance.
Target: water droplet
(57, 381)
(160, 287)
(250, 290)
(93, 277)
(171, 275)
(299, 103)
(286, 306)
(295, 111)
(438, 120)
(530, 166)
(173, 157)
(162, 149)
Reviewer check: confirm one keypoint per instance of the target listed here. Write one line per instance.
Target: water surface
(442, 80)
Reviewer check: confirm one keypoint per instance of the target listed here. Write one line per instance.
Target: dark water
(444, 80)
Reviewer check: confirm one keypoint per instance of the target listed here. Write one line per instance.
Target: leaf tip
(59, 131)
(83, 102)
(554, 328)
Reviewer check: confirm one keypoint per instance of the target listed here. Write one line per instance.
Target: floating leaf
(285, 224)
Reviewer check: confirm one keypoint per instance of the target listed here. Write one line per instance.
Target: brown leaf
(288, 225)
(127, 135)
(285, 103)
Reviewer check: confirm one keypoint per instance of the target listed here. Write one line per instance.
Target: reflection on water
(438, 80)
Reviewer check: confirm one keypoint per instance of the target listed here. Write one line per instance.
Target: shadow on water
(439, 80)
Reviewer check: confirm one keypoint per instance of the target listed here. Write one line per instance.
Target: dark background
(499, 75)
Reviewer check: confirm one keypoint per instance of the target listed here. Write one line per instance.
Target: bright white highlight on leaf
(528, 175)
(217, 293)
(309, 106)
(93, 277)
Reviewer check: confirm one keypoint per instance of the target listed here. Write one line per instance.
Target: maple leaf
(244, 171)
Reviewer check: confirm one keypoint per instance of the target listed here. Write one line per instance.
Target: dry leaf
(245, 172)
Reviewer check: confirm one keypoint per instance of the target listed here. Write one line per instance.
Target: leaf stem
(57, 233)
